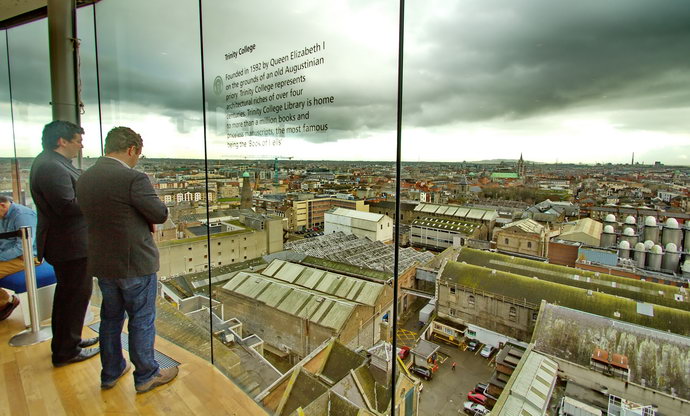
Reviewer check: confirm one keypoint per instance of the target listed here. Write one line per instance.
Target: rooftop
(640, 290)
(657, 357)
(534, 290)
(358, 251)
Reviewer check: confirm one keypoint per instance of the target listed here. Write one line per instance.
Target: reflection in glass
(311, 292)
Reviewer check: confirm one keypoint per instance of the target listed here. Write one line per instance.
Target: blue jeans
(137, 297)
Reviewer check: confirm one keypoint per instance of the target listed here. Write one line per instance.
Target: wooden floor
(29, 385)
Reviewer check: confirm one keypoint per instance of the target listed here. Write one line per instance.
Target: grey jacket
(120, 205)
(61, 231)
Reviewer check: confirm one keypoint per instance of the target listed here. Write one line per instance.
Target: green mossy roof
(535, 290)
(626, 287)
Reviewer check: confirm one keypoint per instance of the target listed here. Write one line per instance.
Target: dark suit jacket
(61, 231)
(119, 204)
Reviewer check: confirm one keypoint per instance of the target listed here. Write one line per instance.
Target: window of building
(190, 259)
(470, 300)
(452, 312)
(219, 243)
(205, 256)
(452, 290)
(534, 316)
(505, 241)
(189, 248)
(529, 244)
(512, 314)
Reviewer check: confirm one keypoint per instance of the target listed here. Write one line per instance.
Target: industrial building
(294, 308)
(376, 227)
(661, 248)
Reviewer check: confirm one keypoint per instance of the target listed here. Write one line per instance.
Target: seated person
(12, 217)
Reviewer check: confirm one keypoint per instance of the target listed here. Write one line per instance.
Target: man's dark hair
(57, 129)
(120, 139)
(5, 198)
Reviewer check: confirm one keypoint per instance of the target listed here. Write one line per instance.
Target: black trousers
(72, 295)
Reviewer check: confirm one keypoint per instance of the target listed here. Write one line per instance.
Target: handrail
(35, 333)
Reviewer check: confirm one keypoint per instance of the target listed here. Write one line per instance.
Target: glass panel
(521, 120)
(301, 111)
(90, 119)
(28, 50)
(150, 81)
(8, 182)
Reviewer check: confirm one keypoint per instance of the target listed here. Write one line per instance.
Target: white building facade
(376, 227)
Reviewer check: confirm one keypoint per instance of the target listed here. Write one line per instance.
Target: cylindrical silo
(624, 250)
(686, 241)
(629, 235)
(630, 222)
(640, 255)
(671, 258)
(672, 233)
(654, 258)
(610, 219)
(608, 236)
(651, 230)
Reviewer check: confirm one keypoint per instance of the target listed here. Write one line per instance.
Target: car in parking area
(487, 351)
(480, 388)
(476, 397)
(472, 345)
(422, 372)
(403, 352)
(475, 408)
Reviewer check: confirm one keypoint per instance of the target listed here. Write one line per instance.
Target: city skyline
(567, 83)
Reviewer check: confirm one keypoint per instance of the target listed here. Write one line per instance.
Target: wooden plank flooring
(29, 385)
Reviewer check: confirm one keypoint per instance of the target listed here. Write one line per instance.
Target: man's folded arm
(57, 189)
(146, 201)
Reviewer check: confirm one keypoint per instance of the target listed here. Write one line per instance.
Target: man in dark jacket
(121, 208)
(61, 238)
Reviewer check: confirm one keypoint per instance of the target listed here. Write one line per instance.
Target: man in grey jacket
(121, 208)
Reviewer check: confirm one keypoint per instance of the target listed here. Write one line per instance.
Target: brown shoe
(111, 384)
(165, 375)
(9, 308)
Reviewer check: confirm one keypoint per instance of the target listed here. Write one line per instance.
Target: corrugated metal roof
(451, 210)
(295, 300)
(289, 272)
(360, 215)
(274, 296)
(429, 208)
(442, 210)
(527, 225)
(337, 315)
(461, 212)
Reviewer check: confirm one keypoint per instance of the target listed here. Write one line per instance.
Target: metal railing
(36, 333)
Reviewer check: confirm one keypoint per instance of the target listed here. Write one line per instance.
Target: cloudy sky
(586, 81)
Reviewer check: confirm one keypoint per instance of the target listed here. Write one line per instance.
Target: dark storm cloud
(515, 59)
(465, 61)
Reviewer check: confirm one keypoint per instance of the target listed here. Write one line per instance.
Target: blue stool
(45, 282)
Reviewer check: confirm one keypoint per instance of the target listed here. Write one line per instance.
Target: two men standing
(110, 225)
(121, 208)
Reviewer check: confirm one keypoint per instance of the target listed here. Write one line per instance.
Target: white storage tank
(624, 250)
(671, 258)
(651, 230)
(630, 222)
(672, 233)
(610, 219)
(608, 237)
(629, 235)
(686, 241)
(654, 258)
(640, 255)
